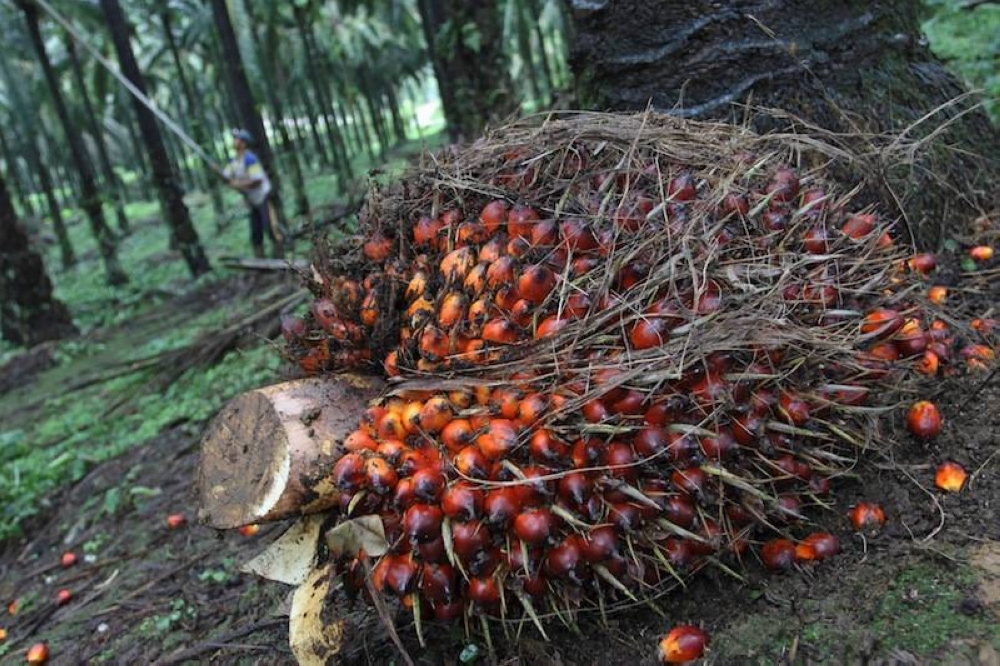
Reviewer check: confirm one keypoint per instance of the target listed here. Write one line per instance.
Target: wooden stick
(268, 453)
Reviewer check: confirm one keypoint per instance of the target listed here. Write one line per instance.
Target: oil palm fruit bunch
(623, 349)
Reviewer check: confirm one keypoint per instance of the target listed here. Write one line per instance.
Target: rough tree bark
(268, 453)
(29, 314)
(465, 43)
(91, 197)
(172, 204)
(842, 65)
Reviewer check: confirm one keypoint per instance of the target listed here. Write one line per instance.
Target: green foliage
(969, 40)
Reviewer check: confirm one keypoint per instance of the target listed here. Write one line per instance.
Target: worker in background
(246, 174)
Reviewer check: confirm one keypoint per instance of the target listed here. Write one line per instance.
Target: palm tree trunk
(844, 66)
(318, 145)
(29, 313)
(139, 165)
(524, 50)
(111, 181)
(243, 94)
(535, 16)
(91, 199)
(398, 125)
(16, 184)
(171, 197)
(465, 44)
(264, 59)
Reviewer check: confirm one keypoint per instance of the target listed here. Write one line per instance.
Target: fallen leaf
(289, 559)
(365, 533)
(315, 640)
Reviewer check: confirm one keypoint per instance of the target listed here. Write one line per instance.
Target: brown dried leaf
(289, 559)
(351, 536)
(315, 641)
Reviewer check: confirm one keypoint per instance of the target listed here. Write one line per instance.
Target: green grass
(64, 434)
(969, 41)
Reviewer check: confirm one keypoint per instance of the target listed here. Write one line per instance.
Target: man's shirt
(250, 168)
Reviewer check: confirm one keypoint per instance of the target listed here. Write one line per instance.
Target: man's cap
(243, 135)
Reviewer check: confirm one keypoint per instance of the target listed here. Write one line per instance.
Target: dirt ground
(924, 591)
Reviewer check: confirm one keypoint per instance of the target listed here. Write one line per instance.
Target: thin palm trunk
(91, 199)
(524, 50)
(16, 183)
(318, 145)
(243, 94)
(111, 181)
(535, 17)
(172, 204)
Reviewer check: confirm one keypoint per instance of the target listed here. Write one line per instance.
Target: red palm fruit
(817, 546)
(480, 312)
(690, 481)
(680, 511)
(746, 429)
(325, 313)
(583, 265)
(426, 231)
(595, 411)
(709, 389)
(433, 551)
(438, 582)
(500, 438)
(775, 220)
(422, 522)
(37, 654)
(820, 294)
(435, 414)
(448, 612)
(390, 426)
(404, 497)
(457, 264)
(428, 484)
(506, 298)
(788, 508)
(684, 643)
(494, 215)
(349, 473)
(978, 357)
(457, 435)
(586, 452)
(392, 450)
(794, 409)
(928, 364)
(626, 516)
(400, 574)
(545, 234)
(950, 476)
(484, 591)
(859, 226)
(784, 186)
(815, 239)
(505, 401)
(545, 447)
(535, 283)
(710, 298)
(501, 505)
(434, 343)
(576, 488)
(378, 247)
(911, 339)
(411, 416)
(381, 477)
(531, 409)
(500, 331)
(469, 540)
(867, 517)
(518, 246)
(651, 441)
(462, 501)
(924, 419)
(521, 221)
(470, 462)
(630, 404)
(599, 544)
(452, 309)
(534, 526)
(981, 253)
(550, 326)
(358, 441)
(521, 313)
(737, 204)
(678, 552)
(491, 251)
(632, 274)
(882, 322)
(621, 459)
(650, 332)
(563, 561)
(681, 189)
(469, 233)
(577, 305)
(922, 263)
(884, 351)
(778, 554)
(293, 328)
(577, 235)
(719, 447)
